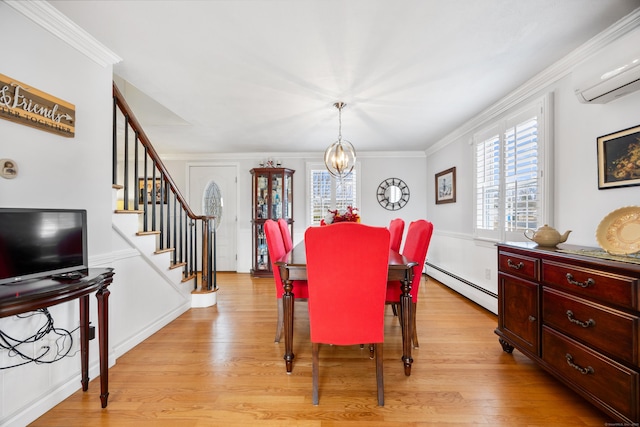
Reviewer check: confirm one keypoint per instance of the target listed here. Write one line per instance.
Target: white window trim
(320, 165)
(545, 164)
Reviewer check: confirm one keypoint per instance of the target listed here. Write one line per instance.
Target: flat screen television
(38, 243)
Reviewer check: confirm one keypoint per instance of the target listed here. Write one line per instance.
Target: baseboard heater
(460, 279)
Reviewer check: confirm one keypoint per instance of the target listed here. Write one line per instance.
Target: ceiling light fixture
(340, 157)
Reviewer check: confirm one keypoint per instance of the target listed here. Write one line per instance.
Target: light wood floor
(220, 366)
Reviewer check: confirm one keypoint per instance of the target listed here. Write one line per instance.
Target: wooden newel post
(207, 253)
(215, 268)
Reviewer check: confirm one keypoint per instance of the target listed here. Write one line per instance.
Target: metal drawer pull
(572, 281)
(586, 324)
(517, 266)
(532, 319)
(584, 371)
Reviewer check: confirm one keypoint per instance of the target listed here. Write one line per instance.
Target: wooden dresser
(578, 317)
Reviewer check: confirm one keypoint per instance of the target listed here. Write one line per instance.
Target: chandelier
(340, 157)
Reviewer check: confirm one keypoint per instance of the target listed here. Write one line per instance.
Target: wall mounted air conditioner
(611, 73)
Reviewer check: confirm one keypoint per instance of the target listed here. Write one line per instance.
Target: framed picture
(619, 159)
(446, 186)
(149, 190)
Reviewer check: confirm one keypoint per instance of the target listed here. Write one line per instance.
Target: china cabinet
(578, 317)
(272, 198)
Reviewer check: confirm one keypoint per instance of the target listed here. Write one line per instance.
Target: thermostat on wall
(8, 168)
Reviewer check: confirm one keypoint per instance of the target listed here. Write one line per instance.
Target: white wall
(54, 172)
(59, 172)
(375, 167)
(578, 204)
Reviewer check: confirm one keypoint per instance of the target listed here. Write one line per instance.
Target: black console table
(31, 295)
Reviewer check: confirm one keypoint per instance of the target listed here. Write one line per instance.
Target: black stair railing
(149, 190)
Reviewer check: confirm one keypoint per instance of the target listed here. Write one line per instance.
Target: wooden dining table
(293, 266)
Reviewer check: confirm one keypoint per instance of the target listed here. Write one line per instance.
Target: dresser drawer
(518, 265)
(612, 288)
(611, 331)
(592, 374)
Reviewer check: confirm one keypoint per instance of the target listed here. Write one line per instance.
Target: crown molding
(546, 77)
(52, 20)
(286, 155)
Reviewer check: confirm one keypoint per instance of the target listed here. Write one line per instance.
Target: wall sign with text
(26, 105)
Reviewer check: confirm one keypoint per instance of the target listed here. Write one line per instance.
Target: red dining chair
(347, 267)
(415, 248)
(396, 228)
(275, 247)
(286, 234)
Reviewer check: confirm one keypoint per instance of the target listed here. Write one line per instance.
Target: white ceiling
(255, 76)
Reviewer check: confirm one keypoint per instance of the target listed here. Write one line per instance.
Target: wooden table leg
(103, 328)
(407, 314)
(287, 305)
(84, 341)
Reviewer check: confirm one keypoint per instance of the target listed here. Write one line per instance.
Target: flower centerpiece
(350, 214)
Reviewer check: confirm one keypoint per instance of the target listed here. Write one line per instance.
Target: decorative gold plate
(619, 232)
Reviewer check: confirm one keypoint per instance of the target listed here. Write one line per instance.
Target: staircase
(152, 216)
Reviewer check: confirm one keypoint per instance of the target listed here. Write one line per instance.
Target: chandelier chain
(340, 123)
(339, 106)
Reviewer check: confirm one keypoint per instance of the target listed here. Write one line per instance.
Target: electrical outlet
(487, 273)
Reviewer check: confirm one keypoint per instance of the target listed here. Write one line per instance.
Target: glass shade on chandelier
(340, 157)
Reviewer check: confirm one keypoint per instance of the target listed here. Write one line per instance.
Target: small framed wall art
(159, 189)
(446, 186)
(619, 159)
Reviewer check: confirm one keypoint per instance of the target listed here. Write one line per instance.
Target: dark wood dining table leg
(287, 306)
(406, 309)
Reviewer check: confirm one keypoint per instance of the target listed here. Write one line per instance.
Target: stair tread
(177, 265)
(190, 277)
(146, 233)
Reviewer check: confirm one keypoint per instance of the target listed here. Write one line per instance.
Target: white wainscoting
(466, 265)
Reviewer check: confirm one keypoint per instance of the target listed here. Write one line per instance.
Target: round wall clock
(393, 194)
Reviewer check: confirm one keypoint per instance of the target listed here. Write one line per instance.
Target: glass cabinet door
(277, 195)
(287, 201)
(272, 199)
(262, 254)
(262, 196)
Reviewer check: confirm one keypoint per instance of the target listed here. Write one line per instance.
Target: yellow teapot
(546, 236)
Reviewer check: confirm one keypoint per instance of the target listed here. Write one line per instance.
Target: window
(327, 192)
(510, 192)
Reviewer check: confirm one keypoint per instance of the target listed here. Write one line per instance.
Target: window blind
(521, 176)
(327, 192)
(488, 183)
(509, 160)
